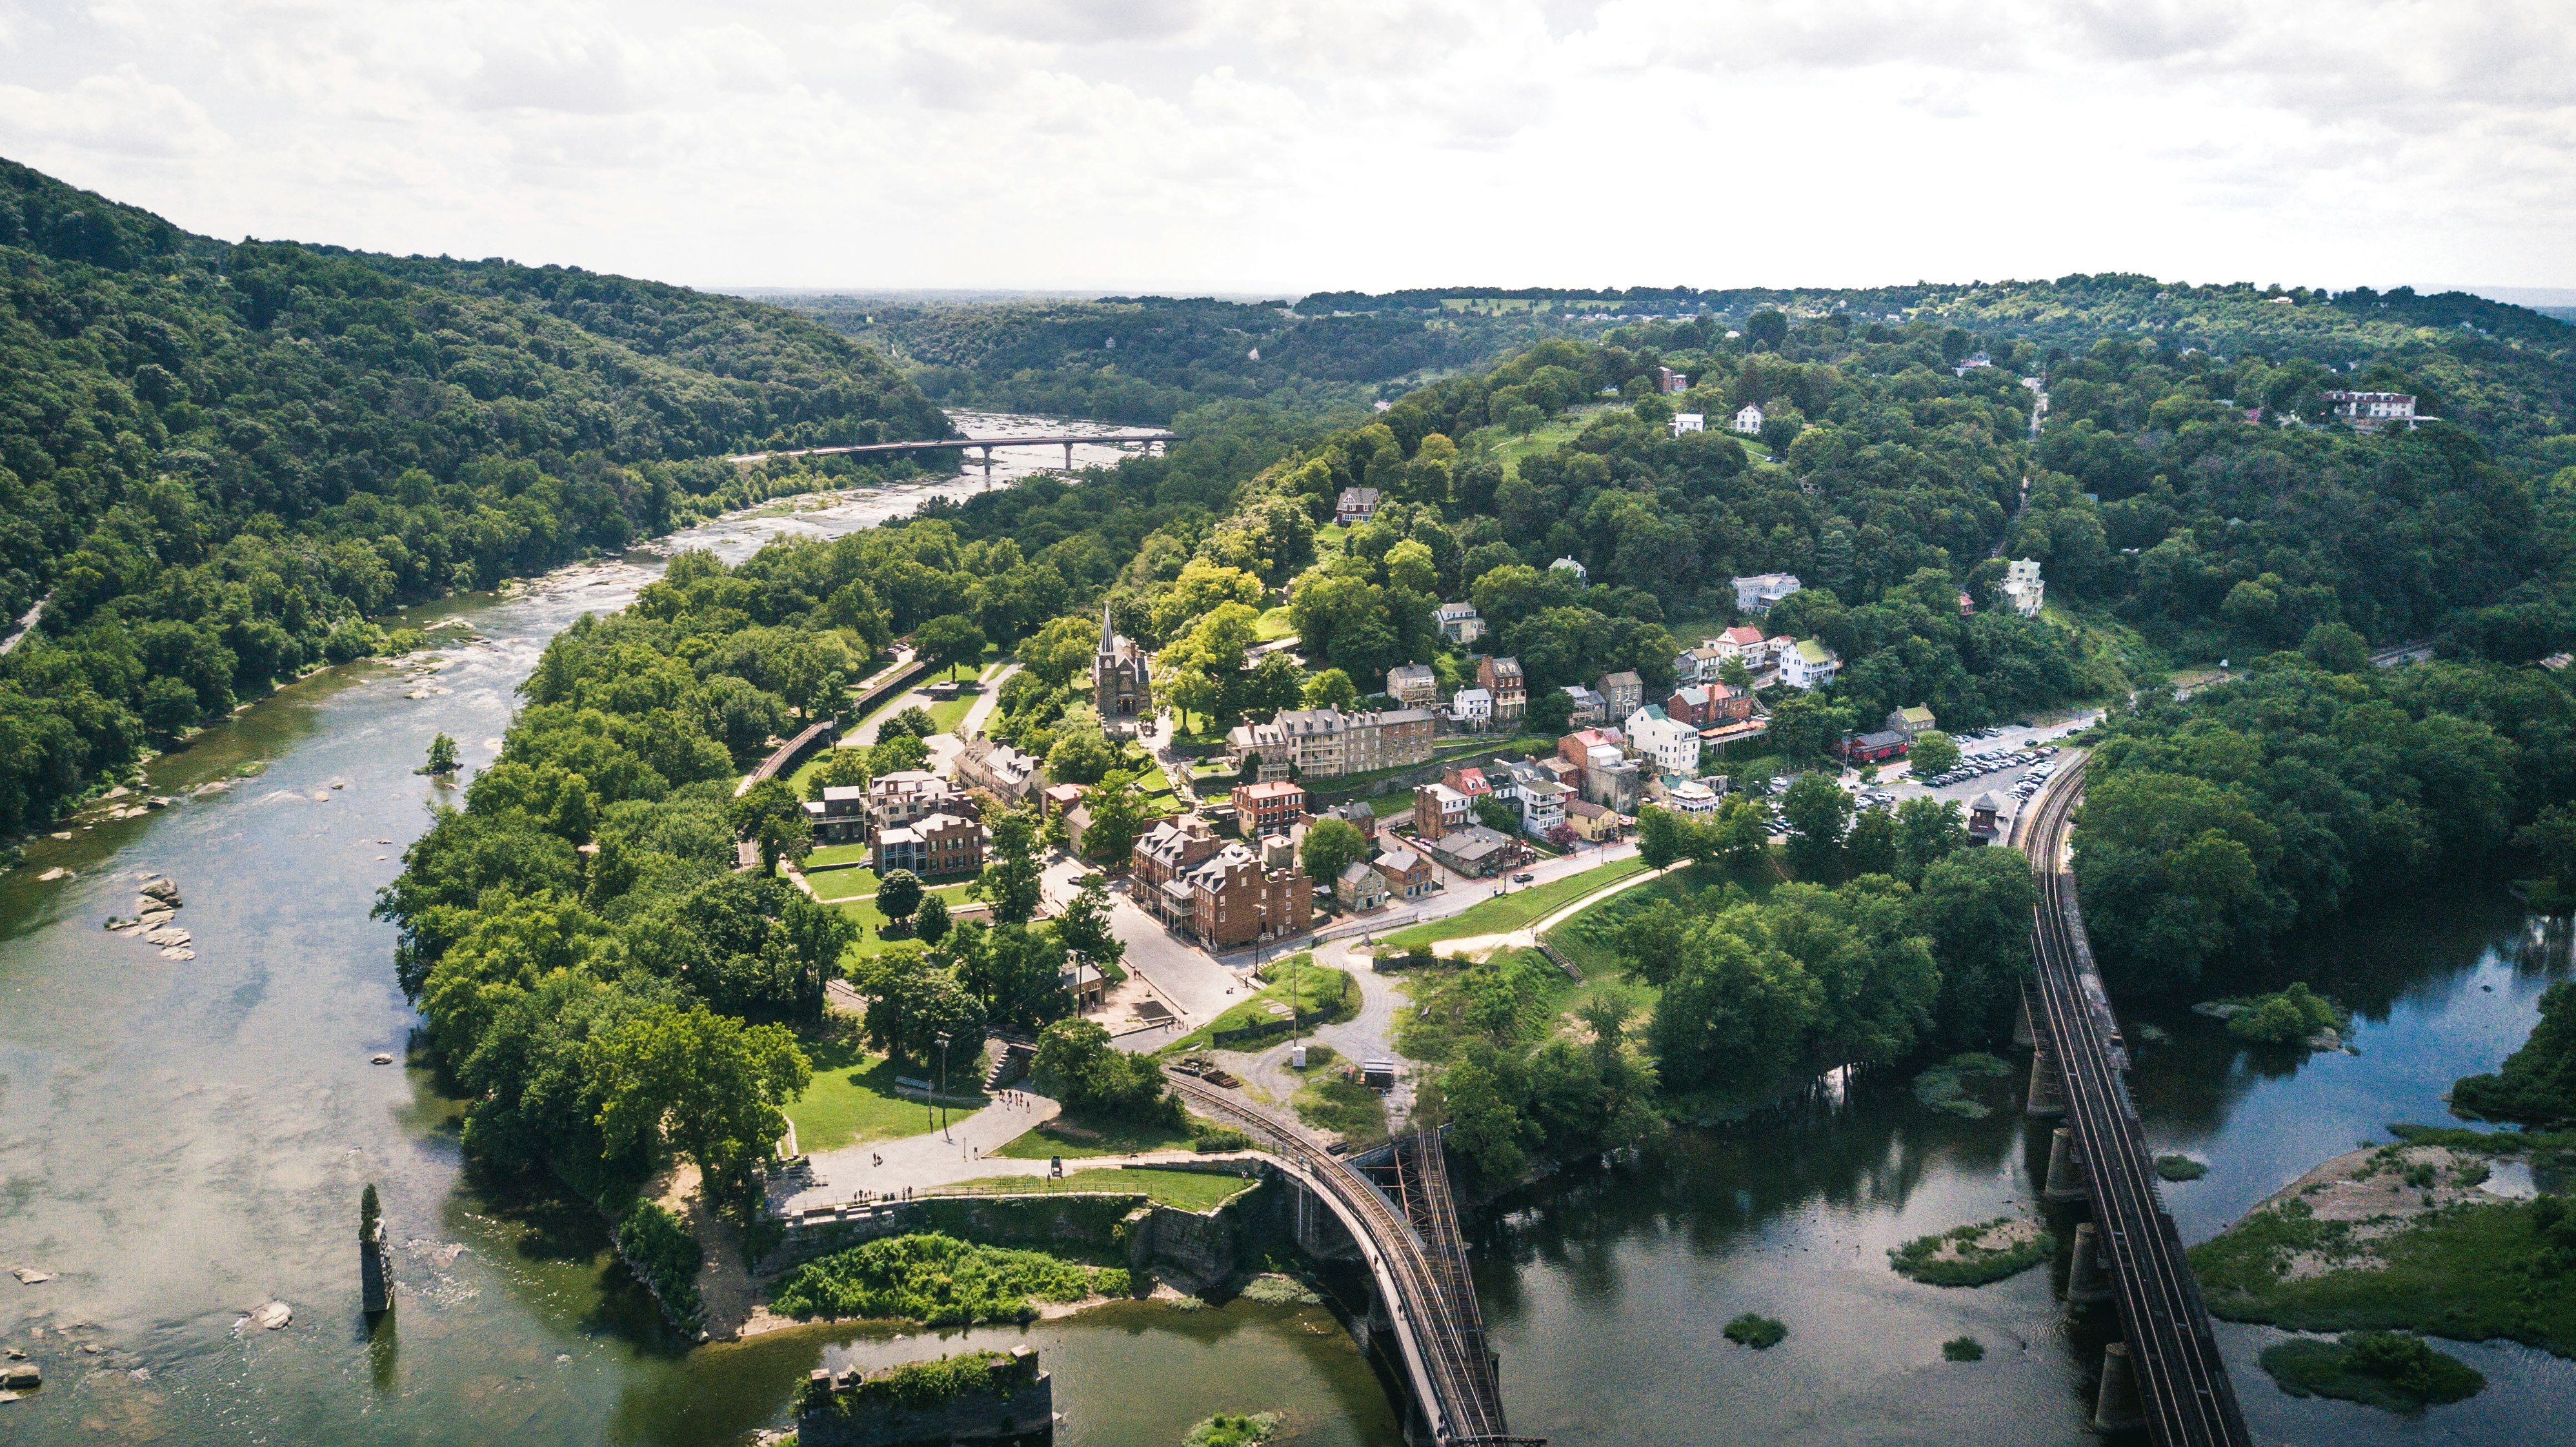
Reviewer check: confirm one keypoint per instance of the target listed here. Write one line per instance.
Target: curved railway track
(2182, 1379)
(1438, 1326)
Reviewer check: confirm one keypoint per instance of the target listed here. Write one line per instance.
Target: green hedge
(666, 1254)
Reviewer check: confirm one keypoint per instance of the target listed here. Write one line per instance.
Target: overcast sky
(1283, 146)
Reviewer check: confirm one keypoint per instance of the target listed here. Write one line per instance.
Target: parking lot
(2011, 761)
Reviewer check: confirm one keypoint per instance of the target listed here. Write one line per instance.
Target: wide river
(183, 1141)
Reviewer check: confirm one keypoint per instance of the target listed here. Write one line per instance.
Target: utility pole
(943, 1087)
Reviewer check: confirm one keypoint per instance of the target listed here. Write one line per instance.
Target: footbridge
(1149, 438)
(2166, 1375)
(1407, 1232)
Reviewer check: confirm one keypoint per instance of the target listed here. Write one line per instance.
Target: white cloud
(1250, 145)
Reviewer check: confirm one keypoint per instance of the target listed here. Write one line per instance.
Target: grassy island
(2375, 1368)
(2401, 1238)
(1975, 1254)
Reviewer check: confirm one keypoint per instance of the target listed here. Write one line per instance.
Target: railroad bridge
(2166, 1375)
(1406, 1230)
(1149, 439)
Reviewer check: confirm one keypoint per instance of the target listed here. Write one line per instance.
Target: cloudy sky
(1291, 145)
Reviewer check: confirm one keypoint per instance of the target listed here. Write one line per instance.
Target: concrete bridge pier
(2065, 1168)
(2118, 1408)
(1068, 457)
(2047, 1085)
(2022, 1037)
(1319, 1232)
(2088, 1276)
(988, 467)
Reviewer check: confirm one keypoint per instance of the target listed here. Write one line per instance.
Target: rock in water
(160, 887)
(30, 1276)
(50, 875)
(273, 1315)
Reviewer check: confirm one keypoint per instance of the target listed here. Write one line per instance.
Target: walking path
(963, 1152)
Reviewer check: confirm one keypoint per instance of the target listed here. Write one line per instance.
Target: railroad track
(2182, 1379)
(1438, 1326)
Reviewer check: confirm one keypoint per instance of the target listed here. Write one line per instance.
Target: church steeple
(1108, 634)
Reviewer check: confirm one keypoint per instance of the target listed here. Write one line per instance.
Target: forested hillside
(1151, 359)
(216, 459)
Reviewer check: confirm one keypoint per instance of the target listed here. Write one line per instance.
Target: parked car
(1524, 878)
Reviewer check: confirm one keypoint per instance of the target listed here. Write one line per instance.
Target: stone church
(1122, 685)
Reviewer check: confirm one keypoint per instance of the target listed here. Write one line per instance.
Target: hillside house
(1414, 685)
(1622, 693)
(1472, 708)
(1502, 678)
(1355, 505)
(1689, 422)
(1757, 592)
(1748, 419)
(1459, 623)
(1809, 665)
(1672, 748)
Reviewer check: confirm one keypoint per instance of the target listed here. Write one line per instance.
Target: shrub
(666, 1254)
(1963, 1349)
(2180, 1168)
(2286, 1017)
(1756, 1331)
(938, 1280)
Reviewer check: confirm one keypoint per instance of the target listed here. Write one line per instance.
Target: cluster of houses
(910, 819)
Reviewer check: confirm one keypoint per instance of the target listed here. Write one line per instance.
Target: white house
(1459, 623)
(1581, 574)
(1691, 798)
(1671, 746)
(1471, 708)
(2022, 585)
(1756, 594)
(1748, 419)
(1809, 665)
(1689, 422)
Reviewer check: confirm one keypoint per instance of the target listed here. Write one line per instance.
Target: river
(183, 1141)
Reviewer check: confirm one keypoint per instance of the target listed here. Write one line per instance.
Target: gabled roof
(1743, 635)
(1815, 653)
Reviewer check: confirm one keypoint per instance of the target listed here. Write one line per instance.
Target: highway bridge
(2168, 1371)
(1407, 1232)
(1067, 440)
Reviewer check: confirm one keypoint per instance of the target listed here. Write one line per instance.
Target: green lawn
(830, 854)
(1321, 996)
(1590, 939)
(1515, 910)
(852, 1099)
(947, 715)
(1327, 1101)
(1273, 624)
(838, 884)
(1388, 805)
(1116, 1138)
(1183, 1190)
(872, 922)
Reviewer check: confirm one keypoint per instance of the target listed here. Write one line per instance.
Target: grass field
(831, 885)
(1590, 939)
(872, 921)
(1349, 1108)
(1321, 996)
(1273, 624)
(1117, 1138)
(1182, 1190)
(852, 1099)
(830, 854)
(1513, 911)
